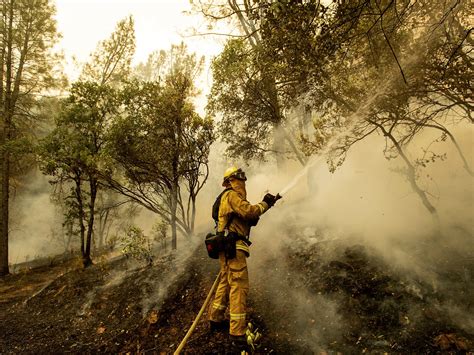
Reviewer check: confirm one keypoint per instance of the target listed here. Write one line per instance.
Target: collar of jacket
(239, 187)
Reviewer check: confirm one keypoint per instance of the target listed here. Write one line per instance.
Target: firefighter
(236, 216)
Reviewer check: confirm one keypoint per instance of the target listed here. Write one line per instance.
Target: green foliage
(141, 138)
(160, 140)
(160, 230)
(340, 59)
(397, 68)
(251, 88)
(110, 63)
(240, 93)
(28, 67)
(136, 244)
(161, 64)
(161, 144)
(73, 153)
(33, 36)
(375, 60)
(74, 148)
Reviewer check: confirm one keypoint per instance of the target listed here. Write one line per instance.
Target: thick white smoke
(36, 224)
(369, 202)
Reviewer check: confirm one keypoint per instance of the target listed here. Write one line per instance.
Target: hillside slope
(322, 297)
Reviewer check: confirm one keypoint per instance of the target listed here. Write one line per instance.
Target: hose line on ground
(204, 306)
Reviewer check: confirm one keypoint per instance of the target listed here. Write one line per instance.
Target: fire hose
(196, 320)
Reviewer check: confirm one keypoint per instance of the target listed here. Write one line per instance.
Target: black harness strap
(229, 221)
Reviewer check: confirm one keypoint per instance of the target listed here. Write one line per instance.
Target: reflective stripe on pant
(233, 288)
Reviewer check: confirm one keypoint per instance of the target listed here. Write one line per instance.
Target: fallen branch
(42, 289)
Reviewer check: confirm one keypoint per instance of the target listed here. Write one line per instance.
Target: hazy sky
(158, 24)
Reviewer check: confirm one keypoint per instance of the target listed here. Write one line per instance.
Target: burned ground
(354, 302)
(323, 296)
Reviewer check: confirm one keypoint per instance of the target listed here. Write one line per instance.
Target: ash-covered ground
(312, 296)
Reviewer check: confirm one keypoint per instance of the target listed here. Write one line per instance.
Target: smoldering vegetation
(96, 309)
(357, 262)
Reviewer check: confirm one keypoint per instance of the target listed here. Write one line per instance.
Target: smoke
(368, 197)
(154, 283)
(36, 225)
(218, 163)
(154, 293)
(369, 202)
(114, 279)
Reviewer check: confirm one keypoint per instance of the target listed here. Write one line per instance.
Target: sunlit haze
(158, 24)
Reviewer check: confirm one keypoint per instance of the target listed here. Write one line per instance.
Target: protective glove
(269, 199)
(253, 222)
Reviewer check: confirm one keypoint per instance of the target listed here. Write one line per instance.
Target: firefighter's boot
(239, 344)
(222, 326)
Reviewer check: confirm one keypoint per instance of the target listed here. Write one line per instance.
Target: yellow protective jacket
(234, 201)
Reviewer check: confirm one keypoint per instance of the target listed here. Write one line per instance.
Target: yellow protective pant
(232, 291)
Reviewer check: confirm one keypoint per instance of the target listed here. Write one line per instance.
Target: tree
(74, 153)
(256, 120)
(110, 63)
(137, 245)
(353, 68)
(153, 69)
(239, 93)
(28, 33)
(408, 64)
(162, 144)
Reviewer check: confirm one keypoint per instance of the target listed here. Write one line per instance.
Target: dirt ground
(119, 306)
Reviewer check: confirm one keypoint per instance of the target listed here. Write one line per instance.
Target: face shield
(239, 174)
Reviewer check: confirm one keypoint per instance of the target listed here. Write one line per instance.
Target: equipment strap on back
(216, 206)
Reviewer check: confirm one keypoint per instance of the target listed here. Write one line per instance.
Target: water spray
(297, 177)
(352, 121)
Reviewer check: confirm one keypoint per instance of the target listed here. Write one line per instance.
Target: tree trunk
(90, 227)
(6, 136)
(411, 175)
(280, 135)
(2, 54)
(193, 213)
(177, 133)
(174, 205)
(103, 227)
(4, 269)
(69, 234)
(80, 212)
(278, 146)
